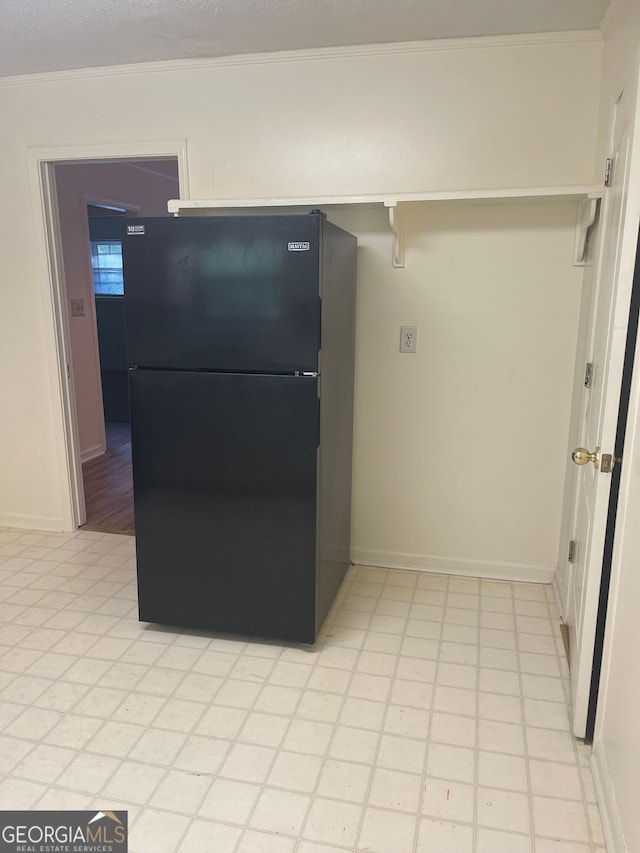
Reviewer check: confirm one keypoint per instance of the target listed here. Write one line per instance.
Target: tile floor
(429, 718)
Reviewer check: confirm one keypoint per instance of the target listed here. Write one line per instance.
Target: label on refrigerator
(298, 247)
(135, 229)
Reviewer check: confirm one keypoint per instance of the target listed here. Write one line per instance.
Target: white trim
(93, 452)
(31, 522)
(109, 151)
(556, 591)
(313, 54)
(609, 17)
(607, 803)
(48, 259)
(454, 566)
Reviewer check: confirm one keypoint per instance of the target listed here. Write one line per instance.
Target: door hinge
(588, 375)
(608, 171)
(573, 547)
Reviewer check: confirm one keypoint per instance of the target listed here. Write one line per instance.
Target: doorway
(84, 195)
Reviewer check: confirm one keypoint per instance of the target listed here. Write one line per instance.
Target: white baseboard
(556, 592)
(454, 566)
(609, 813)
(31, 522)
(92, 452)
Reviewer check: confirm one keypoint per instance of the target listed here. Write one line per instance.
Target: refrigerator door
(225, 477)
(237, 293)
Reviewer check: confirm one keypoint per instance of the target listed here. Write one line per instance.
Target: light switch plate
(77, 308)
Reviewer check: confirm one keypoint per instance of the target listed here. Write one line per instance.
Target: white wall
(145, 186)
(460, 449)
(490, 113)
(476, 114)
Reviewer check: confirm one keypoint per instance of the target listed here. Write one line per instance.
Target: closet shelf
(395, 204)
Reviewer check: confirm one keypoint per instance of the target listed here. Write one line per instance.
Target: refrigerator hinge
(313, 373)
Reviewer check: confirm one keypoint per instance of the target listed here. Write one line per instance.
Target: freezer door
(234, 293)
(225, 501)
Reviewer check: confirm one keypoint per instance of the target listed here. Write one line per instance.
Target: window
(105, 224)
(106, 265)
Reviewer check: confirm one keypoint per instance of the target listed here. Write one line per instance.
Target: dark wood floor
(108, 484)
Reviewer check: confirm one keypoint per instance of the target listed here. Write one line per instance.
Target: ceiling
(55, 35)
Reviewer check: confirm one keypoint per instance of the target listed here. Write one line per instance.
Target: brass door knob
(581, 456)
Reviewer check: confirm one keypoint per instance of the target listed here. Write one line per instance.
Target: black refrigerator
(240, 345)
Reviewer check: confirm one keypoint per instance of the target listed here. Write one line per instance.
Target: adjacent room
(93, 197)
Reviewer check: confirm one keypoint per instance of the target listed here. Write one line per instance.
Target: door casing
(48, 256)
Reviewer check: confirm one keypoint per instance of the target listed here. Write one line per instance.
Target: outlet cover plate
(408, 338)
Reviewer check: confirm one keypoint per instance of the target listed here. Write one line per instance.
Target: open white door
(600, 408)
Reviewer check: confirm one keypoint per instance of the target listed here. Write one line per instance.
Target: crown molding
(608, 20)
(310, 55)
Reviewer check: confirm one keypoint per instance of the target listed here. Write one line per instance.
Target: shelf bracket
(395, 223)
(588, 197)
(587, 210)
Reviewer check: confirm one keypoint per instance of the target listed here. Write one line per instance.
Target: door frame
(41, 164)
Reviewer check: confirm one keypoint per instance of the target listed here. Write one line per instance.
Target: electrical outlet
(408, 338)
